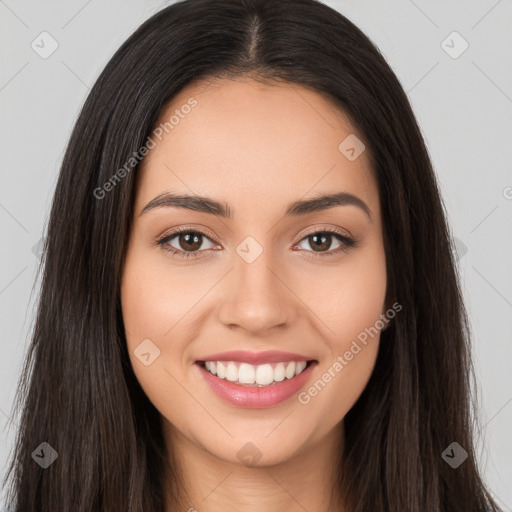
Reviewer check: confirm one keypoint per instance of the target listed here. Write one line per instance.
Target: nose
(255, 297)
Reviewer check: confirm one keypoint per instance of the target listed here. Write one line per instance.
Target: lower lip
(256, 397)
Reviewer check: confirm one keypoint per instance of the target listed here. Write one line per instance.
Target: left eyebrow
(327, 201)
(213, 207)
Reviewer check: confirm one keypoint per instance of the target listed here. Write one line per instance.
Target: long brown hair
(78, 392)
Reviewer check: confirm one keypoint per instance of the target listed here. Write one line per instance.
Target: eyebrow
(302, 207)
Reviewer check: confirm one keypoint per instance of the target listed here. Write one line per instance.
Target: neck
(308, 481)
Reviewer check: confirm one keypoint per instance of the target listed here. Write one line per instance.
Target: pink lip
(243, 356)
(256, 397)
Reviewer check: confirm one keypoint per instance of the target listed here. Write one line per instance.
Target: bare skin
(256, 148)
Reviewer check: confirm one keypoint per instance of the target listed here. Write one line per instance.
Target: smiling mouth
(251, 375)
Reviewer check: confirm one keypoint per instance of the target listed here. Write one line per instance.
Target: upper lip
(242, 356)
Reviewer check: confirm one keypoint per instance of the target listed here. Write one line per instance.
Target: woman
(249, 298)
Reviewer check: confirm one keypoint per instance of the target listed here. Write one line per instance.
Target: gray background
(463, 106)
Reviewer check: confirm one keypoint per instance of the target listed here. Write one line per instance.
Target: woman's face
(258, 284)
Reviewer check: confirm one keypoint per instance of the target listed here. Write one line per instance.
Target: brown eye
(190, 241)
(185, 243)
(322, 241)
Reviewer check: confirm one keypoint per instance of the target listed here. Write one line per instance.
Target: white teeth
(211, 367)
(264, 374)
(300, 367)
(290, 370)
(232, 372)
(279, 372)
(221, 370)
(257, 375)
(246, 374)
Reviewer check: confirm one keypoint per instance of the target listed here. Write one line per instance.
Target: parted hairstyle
(78, 391)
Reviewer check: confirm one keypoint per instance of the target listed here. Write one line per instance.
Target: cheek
(147, 315)
(150, 310)
(351, 312)
(341, 376)
(153, 298)
(347, 298)
(337, 385)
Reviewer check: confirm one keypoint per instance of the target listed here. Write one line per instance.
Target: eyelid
(196, 228)
(324, 229)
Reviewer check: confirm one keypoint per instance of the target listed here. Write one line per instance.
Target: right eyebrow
(196, 203)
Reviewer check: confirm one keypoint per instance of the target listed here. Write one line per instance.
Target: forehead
(249, 144)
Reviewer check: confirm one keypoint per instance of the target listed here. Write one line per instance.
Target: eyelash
(346, 241)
